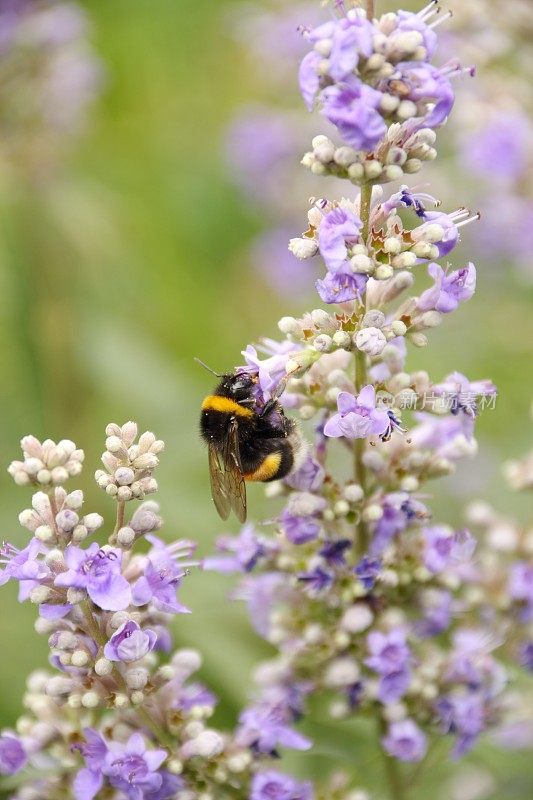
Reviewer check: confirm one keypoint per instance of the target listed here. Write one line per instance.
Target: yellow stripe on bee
(267, 470)
(217, 402)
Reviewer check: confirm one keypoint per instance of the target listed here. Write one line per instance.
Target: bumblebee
(245, 443)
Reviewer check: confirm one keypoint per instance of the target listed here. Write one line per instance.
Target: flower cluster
(374, 81)
(49, 77)
(120, 713)
(370, 603)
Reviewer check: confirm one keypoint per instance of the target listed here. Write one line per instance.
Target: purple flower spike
(12, 754)
(273, 785)
(405, 741)
(98, 572)
(449, 289)
(444, 547)
(358, 416)
(130, 643)
(22, 565)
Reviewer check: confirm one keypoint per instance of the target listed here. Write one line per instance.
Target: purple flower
(270, 370)
(390, 657)
(132, 769)
(194, 694)
(463, 715)
(308, 78)
(341, 287)
(444, 547)
(407, 21)
(309, 476)
(437, 610)
(449, 290)
(358, 416)
(98, 572)
(450, 437)
(163, 575)
(499, 148)
(273, 785)
(89, 780)
(521, 586)
(463, 393)
(405, 741)
(352, 108)
(130, 643)
(424, 83)
(261, 593)
(526, 655)
(23, 565)
(317, 581)
(12, 754)
(339, 228)
(367, 570)
(299, 529)
(333, 552)
(399, 511)
(243, 551)
(267, 725)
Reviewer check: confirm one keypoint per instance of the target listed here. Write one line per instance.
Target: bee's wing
(234, 480)
(219, 490)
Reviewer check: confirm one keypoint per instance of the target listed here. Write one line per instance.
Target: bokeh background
(125, 241)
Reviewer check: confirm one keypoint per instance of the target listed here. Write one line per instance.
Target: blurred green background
(129, 262)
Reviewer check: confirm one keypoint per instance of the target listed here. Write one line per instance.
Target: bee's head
(237, 385)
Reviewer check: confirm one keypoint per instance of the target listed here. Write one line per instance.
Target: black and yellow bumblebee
(245, 442)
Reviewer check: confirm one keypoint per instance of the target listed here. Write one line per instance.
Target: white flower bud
(289, 325)
(393, 172)
(384, 272)
(342, 672)
(357, 618)
(370, 341)
(314, 216)
(124, 476)
(353, 493)
(342, 339)
(187, 660)
(124, 493)
(307, 411)
(361, 263)
(373, 319)
(207, 744)
(345, 156)
(44, 533)
(126, 536)
(394, 712)
(389, 103)
(317, 168)
(59, 475)
(58, 686)
(406, 110)
(403, 260)
(428, 232)
(320, 140)
(412, 166)
(303, 247)
(137, 678)
(341, 508)
(323, 343)
(79, 658)
(399, 328)
(356, 171)
(373, 169)
(40, 594)
(75, 596)
(372, 513)
(325, 152)
(103, 667)
(121, 701)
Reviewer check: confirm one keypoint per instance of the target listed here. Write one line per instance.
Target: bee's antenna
(199, 361)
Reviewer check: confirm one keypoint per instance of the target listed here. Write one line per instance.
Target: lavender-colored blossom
(299, 529)
(444, 547)
(23, 566)
(525, 655)
(270, 370)
(437, 611)
(341, 287)
(424, 83)
(367, 570)
(352, 108)
(267, 726)
(390, 657)
(12, 754)
(449, 289)
(316, 581)
(464, 393)
(499, 148)
(98, 572)
(309, 476)
(273, 785)
(463, 715)
(405, 741)
(339, 228)
(133, 769)
(261, 593)
(162, 575)
(407, 22)
(358, 416)
(450, 437)
(240, 553)
(399, 511)
(130, 643)
(521, 586)
(333, 552)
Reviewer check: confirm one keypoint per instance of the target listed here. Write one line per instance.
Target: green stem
(392, 770)
(94, 631)
(121, 508)
(360, 381)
